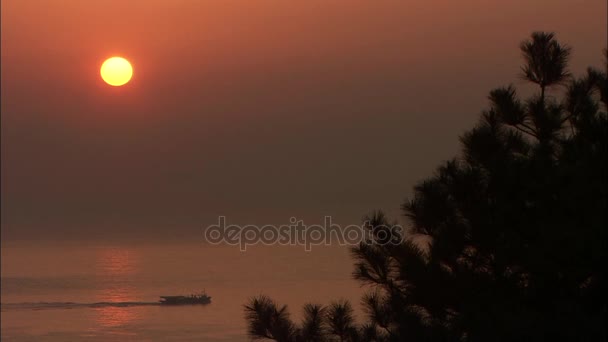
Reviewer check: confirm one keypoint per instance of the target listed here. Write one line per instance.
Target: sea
(94, 291)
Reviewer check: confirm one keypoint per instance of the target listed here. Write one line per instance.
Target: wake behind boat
(202, 298)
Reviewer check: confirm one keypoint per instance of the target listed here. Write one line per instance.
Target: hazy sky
(255, 109)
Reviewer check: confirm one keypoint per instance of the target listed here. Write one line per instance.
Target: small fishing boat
(201, 298)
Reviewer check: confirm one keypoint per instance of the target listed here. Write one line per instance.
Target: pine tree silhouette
(516, 228)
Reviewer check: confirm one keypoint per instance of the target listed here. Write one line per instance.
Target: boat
(192, 299)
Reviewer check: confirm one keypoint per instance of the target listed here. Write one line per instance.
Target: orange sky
(255, 109)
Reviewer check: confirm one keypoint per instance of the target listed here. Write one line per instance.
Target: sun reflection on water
(116, 269)
(115, 262)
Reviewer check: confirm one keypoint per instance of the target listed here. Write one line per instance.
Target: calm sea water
(95, 292)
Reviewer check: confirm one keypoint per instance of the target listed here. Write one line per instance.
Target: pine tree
(516, 229)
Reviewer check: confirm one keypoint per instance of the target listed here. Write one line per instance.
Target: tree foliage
(516, 229)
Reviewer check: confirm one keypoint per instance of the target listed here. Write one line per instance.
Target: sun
(116, 71)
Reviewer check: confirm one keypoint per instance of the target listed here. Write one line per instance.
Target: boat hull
(185, 300)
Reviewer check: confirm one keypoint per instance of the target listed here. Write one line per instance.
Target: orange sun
(116, 71)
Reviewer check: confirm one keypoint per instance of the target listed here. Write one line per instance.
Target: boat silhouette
(192, 299)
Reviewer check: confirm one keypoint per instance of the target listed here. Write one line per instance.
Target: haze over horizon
(335, 113)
